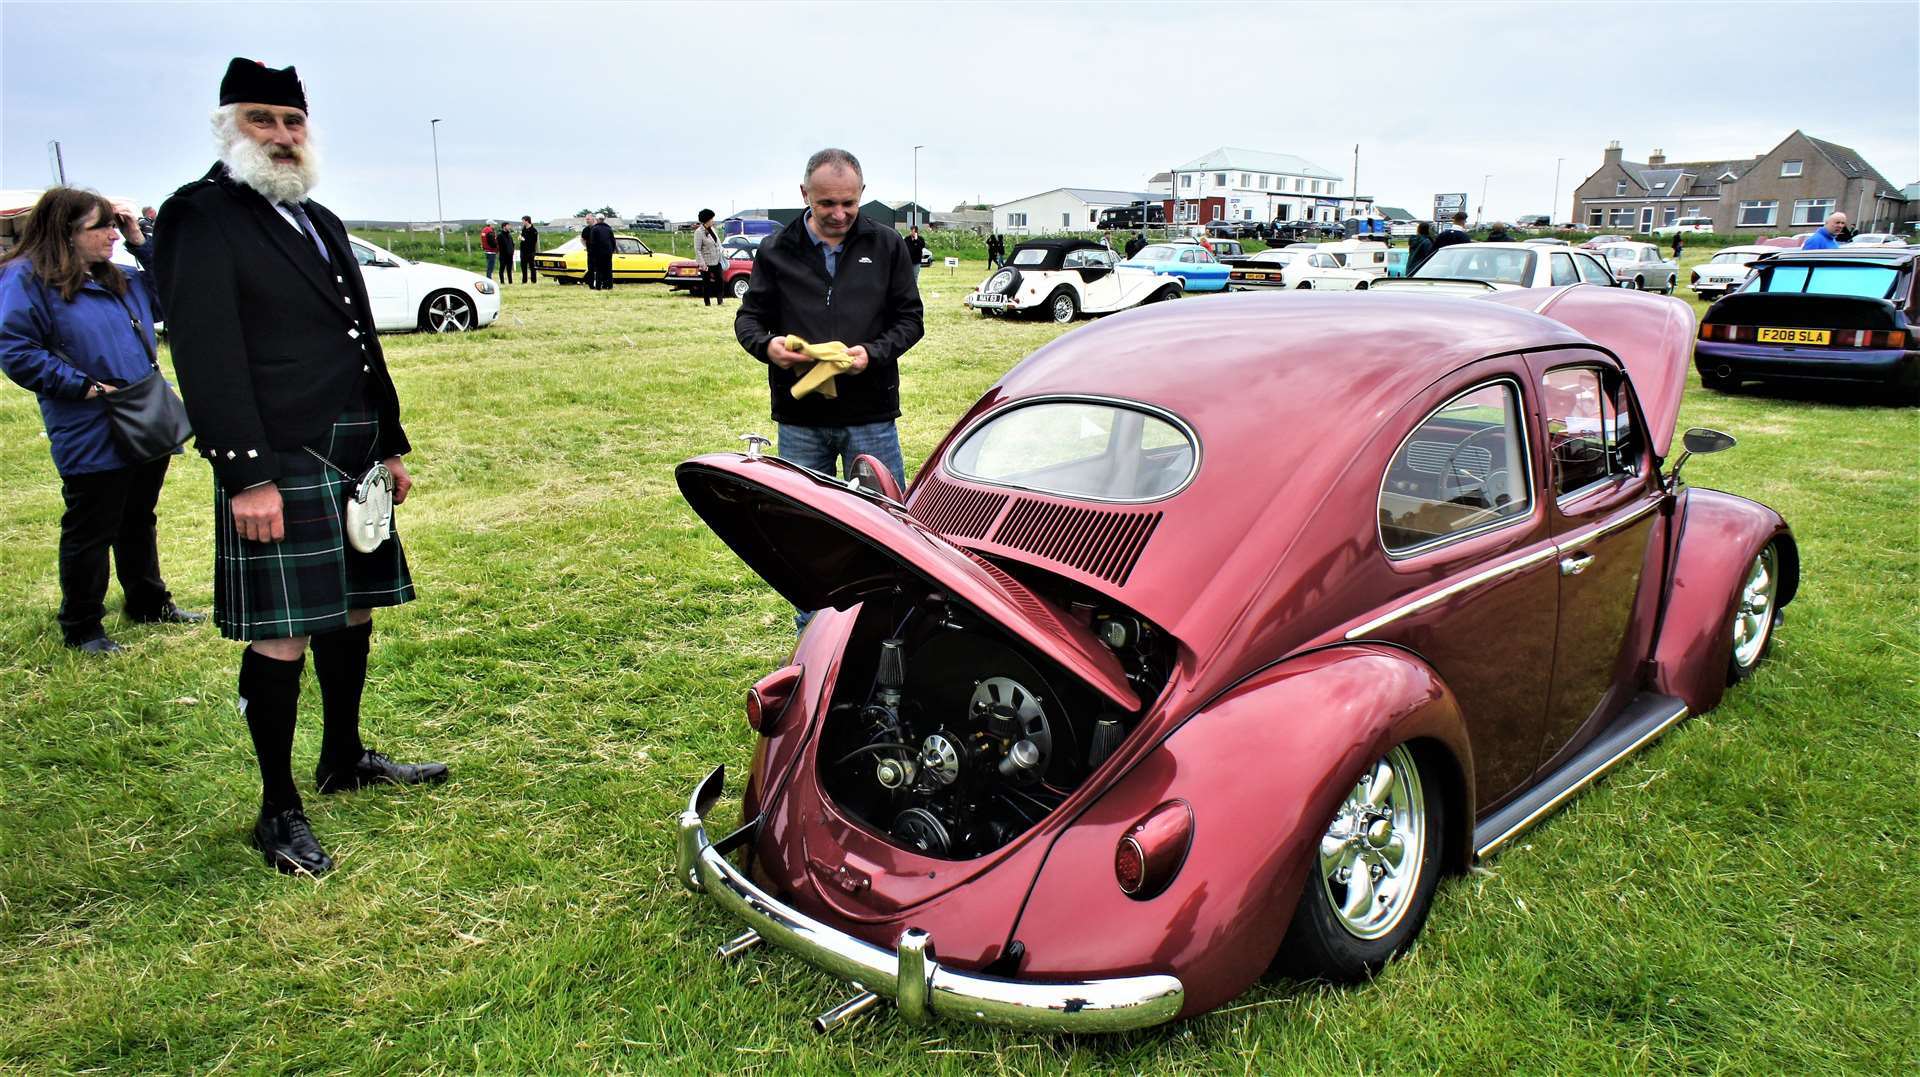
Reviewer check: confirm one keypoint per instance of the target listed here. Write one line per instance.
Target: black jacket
(871, 301)
(598, 238)
(1449, 237)
(529, 239)
(271, 343)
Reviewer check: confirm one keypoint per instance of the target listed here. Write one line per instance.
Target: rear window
(1088, 449)
(1031, 256)
(1505, 264)
(1865, 282)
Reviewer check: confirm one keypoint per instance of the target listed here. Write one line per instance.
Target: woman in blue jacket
(74, 327)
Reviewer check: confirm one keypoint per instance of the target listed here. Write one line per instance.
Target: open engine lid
(820, 544)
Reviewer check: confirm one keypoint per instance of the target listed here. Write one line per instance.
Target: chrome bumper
(910, 976)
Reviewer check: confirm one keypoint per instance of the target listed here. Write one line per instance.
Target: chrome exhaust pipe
(739, 946)
(846, 1011)
(1723, 371)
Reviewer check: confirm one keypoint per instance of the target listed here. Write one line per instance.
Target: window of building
(1298, 184)
(1619, 187)
(1620, 217)
(1244, 181)
(1219, 179)
(1669, 215)
(1016, 220)
(1316, 186)
(1791, 168)
(1811, 210)
(1661, 186)
(1263, 182)
(1186, 179)
(1757, 214)
(1596, 217)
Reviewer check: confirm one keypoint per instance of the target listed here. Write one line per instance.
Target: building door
(1646, 219)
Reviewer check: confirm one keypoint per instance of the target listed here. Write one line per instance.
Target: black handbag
(147, 419)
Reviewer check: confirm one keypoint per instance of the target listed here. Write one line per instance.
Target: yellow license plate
(1793, 336)
(1255, 276)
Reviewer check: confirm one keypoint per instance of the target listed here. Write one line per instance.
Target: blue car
(1192, 263)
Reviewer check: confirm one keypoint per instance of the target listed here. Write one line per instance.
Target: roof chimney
(1613, 153)
(1659, 158)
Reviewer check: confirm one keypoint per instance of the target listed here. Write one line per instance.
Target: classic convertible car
(1215, 634)
(633, 261)
(1064, 278)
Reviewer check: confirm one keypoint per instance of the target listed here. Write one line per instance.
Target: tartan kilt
(305, 584)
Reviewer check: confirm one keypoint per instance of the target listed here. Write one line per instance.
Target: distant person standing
(996, 251)
(1136, 244)
(503, 243)
(1498, 233)
(1420, 247)
(707, 252)
(1456, 232)
(529, 242)
(487, 247)
(916, 247)
(147, 215)
(600, 244)
(1678, 242)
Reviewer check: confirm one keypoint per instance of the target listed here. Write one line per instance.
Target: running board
(1645, 718)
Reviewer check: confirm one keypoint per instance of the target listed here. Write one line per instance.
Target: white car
(1060, 279)
(1641, 265)
(1878, 239)
(1686, 224)
(421, 295)
(1727, 270)
(1479, 268)
(1290, 268)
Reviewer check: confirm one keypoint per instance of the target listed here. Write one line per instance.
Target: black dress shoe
(168, 614)
(99, 644)
(372, 768)
(287, 841)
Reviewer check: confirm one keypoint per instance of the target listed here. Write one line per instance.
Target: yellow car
(632, 261)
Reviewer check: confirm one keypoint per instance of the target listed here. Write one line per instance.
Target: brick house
(1793, 186)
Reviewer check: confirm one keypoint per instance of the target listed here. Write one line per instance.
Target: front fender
(1720, 535)
(1263, 769)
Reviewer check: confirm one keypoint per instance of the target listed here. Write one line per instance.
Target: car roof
(1746, 248)
(1498, 246)
(1863, 253)
(1058, 244)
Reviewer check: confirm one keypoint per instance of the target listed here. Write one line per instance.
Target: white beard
(252, 164)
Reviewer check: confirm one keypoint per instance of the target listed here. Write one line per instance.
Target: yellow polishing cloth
(829, 359)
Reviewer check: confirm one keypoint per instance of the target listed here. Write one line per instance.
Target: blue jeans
(819, 448)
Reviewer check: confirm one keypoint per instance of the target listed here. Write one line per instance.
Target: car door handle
(1575, 565)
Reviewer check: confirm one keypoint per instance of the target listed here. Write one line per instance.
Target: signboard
(1446, 205)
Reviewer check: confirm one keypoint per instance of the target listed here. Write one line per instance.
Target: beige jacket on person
(706, 247)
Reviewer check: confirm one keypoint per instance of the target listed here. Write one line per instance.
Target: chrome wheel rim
(1063, 309)
(1373, 855)
(1753, 615)
(448, 313)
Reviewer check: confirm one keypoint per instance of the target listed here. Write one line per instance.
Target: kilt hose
(305, 584)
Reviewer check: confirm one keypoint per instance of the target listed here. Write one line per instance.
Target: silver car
(1641, 265)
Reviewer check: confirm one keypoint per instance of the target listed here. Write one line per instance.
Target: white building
(1063, 209)
(1253, 185)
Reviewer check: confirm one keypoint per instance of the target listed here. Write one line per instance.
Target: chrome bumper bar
(909, 975)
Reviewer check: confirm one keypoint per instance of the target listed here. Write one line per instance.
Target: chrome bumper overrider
(910, 976)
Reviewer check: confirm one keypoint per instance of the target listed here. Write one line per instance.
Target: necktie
(306, 225)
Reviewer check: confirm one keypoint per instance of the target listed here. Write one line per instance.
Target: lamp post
(1483, 200)
(438, 208)
(1553, 207)
(914, 217)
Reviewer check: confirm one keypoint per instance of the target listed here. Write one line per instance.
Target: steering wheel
(1456, 481)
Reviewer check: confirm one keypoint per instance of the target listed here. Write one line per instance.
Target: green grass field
(1739, 899)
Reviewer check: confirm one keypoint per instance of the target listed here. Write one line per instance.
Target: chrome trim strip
(1591, 777)
(1610, 527)
(1452, 589)
(1110, 1005)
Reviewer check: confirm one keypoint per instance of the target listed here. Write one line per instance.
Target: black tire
(447, 312)
(1062, 307)
(1348, 945)
(1755, 614)
(740, 286)
(1637, 284)
(1672, 284)
(1161, 296)
(1360, 286)
(1304, 286)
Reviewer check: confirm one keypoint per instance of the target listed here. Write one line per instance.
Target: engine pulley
(940, 759)
(923, 830)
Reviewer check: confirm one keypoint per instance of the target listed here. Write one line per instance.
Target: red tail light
(1151, 852)
(1871, 338)
(767, 700)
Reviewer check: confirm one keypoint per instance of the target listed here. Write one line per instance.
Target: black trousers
(506, 266)
(110, 511)
(711, 284)
(528, 274)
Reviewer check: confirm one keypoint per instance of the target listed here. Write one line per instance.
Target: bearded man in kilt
(291, 403)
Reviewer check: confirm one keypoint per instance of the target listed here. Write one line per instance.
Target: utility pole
(1478, 213)
(59, 164)
(914, 217)
(1553, 208)
(439, 208)
(1354, 194)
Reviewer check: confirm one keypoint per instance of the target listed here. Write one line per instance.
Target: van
(748, 226)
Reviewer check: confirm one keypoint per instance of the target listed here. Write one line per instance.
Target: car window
(1563, 271)
(1030, 256)
(1081, 259)
(1590, 432)
(1731, 257)
(362, 253)
(1462, 471)
(1097, 450)
(1193, 256)
(1158, 252)
(1870, 282)
(1591, 270)
(1503, 264)
(627, 245)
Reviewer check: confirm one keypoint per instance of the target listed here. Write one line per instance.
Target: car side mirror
(1700, 440)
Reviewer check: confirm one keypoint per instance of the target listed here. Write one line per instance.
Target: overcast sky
(548, 108)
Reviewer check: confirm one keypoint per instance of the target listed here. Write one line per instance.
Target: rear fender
(1262, 769)
(1720, 535)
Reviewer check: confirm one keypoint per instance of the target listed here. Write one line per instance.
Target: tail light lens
(1871, 338)
(767, 700)
(1152, 851)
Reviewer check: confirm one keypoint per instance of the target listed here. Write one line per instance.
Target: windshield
(1733, 258)
(1865, 282)
(1088, 449)
(1503, 264)
(1270, 258)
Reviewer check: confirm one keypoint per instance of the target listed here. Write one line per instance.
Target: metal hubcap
(1753, 614)
(1373, 855)
(1063, 309)
(447, 313)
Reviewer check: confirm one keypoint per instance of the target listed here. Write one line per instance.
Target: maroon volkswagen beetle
(1212, 636)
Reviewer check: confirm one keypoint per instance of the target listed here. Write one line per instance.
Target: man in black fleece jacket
(834, 275)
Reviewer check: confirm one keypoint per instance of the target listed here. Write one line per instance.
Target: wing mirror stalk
(1698, 441)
